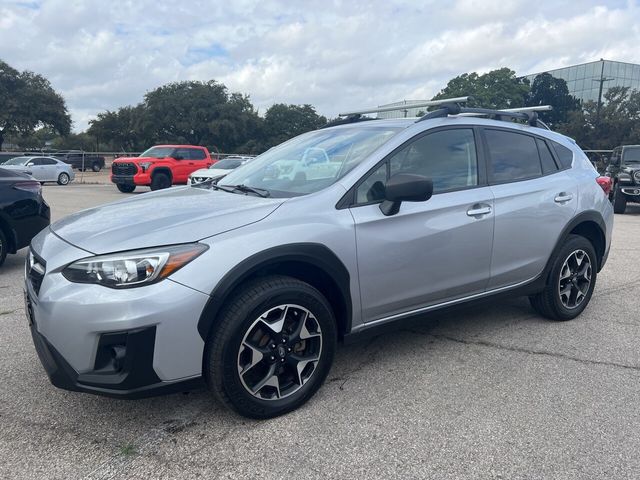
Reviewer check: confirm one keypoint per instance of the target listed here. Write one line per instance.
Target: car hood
(176, 215)
(210, 172)
(136, 159)
(17, 168)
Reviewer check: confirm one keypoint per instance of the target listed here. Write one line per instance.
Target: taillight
(606, 183)
(33, 187)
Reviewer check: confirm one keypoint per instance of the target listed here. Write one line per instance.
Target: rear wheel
(160, 181)
(96, 167)
(3, 247)
(570, 283)
(272, 347)
(125, 188)
(619, 201)
(63, 179)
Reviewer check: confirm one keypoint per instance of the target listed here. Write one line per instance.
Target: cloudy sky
(335, 55)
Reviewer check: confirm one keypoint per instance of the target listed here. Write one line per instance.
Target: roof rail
(430, 103)
(523, 113)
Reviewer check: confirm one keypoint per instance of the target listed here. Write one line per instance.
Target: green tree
(495, 89)
(282, 122)
(28, 102)
(617, 124)
(122, 129)
(548, 90)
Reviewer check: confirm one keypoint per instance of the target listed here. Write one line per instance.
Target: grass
(127, 449)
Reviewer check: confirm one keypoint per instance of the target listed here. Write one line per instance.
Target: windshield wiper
(211, 182)
(261, 192)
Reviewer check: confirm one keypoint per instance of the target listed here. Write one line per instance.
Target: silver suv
(248, 284)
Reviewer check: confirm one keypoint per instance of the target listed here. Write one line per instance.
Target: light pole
(601, 81)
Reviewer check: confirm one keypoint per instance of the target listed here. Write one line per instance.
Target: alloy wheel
(280, 352)
(575, 279)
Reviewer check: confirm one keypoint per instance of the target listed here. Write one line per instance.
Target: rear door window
(548, 163)
(513, 156)
(197, 154)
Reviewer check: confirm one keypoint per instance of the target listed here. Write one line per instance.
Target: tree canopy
(495, 89)
(548, 90)
(28, 102)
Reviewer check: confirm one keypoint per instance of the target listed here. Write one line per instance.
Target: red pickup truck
(159, 167)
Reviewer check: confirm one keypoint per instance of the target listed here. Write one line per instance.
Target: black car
(624, 169)
(81, 160)
(23, 211)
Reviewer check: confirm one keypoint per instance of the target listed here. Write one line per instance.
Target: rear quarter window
(197, 154)
(565, 156)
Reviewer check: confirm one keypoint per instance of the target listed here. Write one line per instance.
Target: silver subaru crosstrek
(248, 284)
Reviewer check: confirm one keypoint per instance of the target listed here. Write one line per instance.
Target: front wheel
(124, 188)
(271, 348)
(570, 283)
(619, 201)
(63, 179)
(96, 167)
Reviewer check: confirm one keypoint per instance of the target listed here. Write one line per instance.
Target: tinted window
(548, 163)
(564, 155)
(631, 154)
(35, 161)
(197, 154)
(48, 161)
(513, 156)
(182, 154)
(448, 157)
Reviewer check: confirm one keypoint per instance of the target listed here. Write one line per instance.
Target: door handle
(563, 197)
(479, 209)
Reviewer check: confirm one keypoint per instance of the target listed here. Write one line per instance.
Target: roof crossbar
(430, 103)
(528, 114)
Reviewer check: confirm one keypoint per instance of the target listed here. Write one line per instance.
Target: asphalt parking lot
(489, 392)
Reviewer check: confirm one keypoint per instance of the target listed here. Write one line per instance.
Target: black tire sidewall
(242, 400)
(125, 188)
(96, 167)
(574, 243)
(61, 176)
(619, 201)
(160, 181)
(3, 247)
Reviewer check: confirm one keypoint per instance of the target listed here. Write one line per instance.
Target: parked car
(81, 160)
(159, 167)
(43, 169)
(624, 170)
(23, 211)
(247, 284)
(218, 169)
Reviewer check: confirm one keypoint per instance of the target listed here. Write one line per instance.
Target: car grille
(122, 168)
(36, 267)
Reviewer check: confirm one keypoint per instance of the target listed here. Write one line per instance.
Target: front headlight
(134, 268)
(145, 165)
(624, 177)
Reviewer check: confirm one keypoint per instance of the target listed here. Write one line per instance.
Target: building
(584, 80)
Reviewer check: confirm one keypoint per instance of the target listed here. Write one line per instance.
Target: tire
(124, 188)
(160, 181)
(550, 303)
(96, 167)
(619, 201)
(240, 319)
(63, 179)
(4, 245)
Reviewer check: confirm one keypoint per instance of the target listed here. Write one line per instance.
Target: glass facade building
(584, 80)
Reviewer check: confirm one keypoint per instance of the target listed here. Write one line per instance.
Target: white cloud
(335, 55)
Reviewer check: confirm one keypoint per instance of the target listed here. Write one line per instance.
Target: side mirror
(405, 187)
(177, 157)
(30, 164)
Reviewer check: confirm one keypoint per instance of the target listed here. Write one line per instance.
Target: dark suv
(624, 169)
(81, 160)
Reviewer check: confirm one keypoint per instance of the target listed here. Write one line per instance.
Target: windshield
(17, 161)
(158, 152)
(227, 164)
(310, 162)
(632, 155)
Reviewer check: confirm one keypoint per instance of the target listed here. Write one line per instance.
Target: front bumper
(127, 343)
(131, 179)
